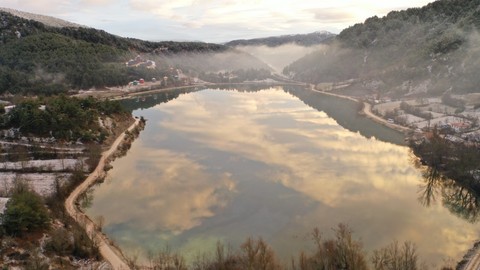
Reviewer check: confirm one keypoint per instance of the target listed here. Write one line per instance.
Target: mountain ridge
(310, 39)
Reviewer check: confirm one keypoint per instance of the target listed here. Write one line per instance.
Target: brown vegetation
(341, 252)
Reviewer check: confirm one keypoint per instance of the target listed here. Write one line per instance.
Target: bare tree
(396, 257)
(258, 255)
(343, 252)
(168, 260)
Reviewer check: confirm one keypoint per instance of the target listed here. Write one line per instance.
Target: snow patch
(41, 183)
(3, 204)
(45, 165)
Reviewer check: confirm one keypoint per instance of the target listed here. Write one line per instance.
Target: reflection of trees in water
(462, 200)
(152, 99)
(460, 197)
(429, 190)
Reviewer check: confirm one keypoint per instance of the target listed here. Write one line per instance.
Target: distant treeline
(310, 39)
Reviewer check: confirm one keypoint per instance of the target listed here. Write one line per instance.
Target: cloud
(250, 14)
(38, 6)
(211, 20)
(331, 15)
(265, 17)
(266, 145)
(160, 181)
(96, 2)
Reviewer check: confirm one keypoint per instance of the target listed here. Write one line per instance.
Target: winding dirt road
(109, 252)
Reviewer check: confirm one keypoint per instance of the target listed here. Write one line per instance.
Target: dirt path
(108, 251)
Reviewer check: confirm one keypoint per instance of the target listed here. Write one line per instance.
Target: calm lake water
(217, 165)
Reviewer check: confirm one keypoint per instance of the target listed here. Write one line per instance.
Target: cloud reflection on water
(164, 191)
(204, 167)
(315, 146)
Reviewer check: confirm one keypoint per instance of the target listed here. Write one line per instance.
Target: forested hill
(311, 39)
(35, 58)
(418, 51)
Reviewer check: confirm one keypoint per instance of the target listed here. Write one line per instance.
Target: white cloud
(265, 16)
(96, 2)
(38, 6)
(211, 20)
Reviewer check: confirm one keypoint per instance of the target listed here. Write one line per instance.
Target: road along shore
(109, 252)
(367, 111)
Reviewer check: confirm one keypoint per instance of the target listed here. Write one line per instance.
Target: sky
(212, 20)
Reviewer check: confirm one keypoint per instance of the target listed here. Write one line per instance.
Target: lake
(222, 165)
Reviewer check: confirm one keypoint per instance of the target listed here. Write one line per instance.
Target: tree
(395, 257)
(256, 254)
(63, 117)
(343, 252)
(24, 212)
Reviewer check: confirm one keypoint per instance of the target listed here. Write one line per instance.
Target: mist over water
(222, 166)
(280, 56)
(197, 62)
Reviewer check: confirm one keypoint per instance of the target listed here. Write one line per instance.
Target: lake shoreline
(118, 94)
(366, 107)
(110, 252)
(367, 111)
(353, 112)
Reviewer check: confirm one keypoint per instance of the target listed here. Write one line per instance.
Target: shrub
(25, 211)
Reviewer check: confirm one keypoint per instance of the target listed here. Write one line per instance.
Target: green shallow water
(216, 165)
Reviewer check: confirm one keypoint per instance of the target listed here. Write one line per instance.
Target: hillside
(418, 52)
(306, 40)
(37, 58)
